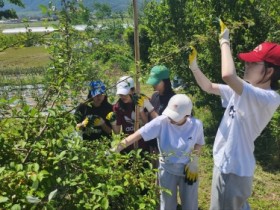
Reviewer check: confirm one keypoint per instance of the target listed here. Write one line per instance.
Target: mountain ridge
(34, 5)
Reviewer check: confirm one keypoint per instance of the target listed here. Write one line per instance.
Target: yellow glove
(191, 171)
(192, 59)
(141, 99)
(83, 124)
(143, 102)
(222, 25)
(98, 121)
(224, 34)
(111, 116)
(90, 120)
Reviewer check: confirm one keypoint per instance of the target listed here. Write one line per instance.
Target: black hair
(89, 95)
(275, 77)
(122, 105)
(167, 87)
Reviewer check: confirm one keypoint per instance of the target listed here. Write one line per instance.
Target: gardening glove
(83, 124)
(98, 121)
(92, 120)
(111, 116)
(192, 59)
(224, 34)
(143, 102)
(191, 171)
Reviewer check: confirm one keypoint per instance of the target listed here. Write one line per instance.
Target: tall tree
(9, 13)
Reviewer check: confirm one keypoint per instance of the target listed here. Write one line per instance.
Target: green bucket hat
(157, 74)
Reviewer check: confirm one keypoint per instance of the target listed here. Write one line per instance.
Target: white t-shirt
(244, 119)
(175, 142)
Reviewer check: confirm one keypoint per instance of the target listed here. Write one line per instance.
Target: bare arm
(153, 114)
(228, 70)
(136, 136)
(205, 84)
(197, 149)
(144, 117)
(116, 129)
(106, 128)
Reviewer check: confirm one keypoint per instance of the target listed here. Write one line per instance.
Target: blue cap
(96, 88)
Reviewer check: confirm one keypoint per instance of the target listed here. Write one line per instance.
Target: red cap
(267, 51)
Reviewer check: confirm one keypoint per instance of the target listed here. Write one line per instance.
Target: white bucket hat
(124, 85)
(178, 107)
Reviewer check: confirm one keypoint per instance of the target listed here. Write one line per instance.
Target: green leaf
(2, 169)
(96, 206)
(35, 184)
(79, 190)
(142, 206)
(44, 9)
(142, 185)
(52, 195)
(105, 203)
(32, 199)
(42, 174)
(3, 199)
(126, 183)
(33, 177)
(62, 154)
(36, 167)
(60, 60)
(58, 180)
(75, 158)
(16, 207)
(25, 135)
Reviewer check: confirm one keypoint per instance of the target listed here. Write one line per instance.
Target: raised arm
(229, 75)
(203, 82)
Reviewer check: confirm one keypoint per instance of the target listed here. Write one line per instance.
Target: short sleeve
(151, 130)
(254, 99)
(118, 113)
(200, 133)
(79, 113)
(226, 94)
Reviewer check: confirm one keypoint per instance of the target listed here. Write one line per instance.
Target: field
(23, 25)
(266, 194)
(23, 65)
(24, 58)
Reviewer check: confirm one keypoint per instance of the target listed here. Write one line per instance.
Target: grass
(22, 66)
(266, 185)
(24, 58)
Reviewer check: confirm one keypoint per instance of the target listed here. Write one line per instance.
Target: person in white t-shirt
(250, 103)
(180, 138)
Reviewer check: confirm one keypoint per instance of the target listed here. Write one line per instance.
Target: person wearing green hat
(159, 78)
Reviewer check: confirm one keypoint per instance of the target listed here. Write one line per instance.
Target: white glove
(224, 35)
(148, 105)
(144, 102)
(191, 171)
(192, 60)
